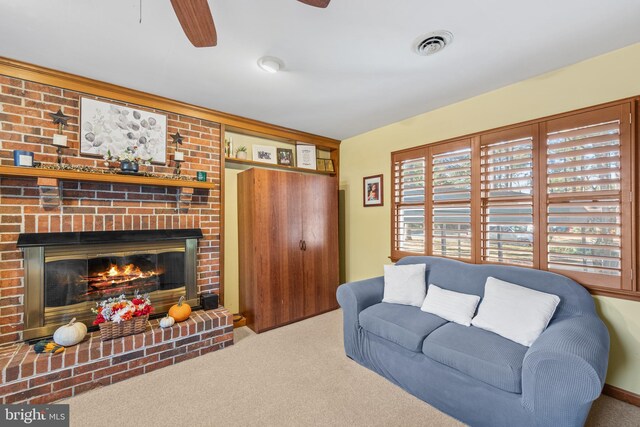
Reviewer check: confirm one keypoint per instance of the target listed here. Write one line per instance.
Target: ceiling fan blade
(196, 21)
(316, 3)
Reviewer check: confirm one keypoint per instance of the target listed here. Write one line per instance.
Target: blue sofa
(476, 376)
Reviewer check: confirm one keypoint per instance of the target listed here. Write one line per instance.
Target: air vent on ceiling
(433, 42)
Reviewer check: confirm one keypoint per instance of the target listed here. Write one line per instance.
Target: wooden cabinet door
(320, 228)
(275, 257)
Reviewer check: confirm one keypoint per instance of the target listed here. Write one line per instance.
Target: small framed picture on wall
(372, 191)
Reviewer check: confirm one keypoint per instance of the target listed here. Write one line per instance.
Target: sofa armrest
(353, 298)
(356, 296)
(565, 369)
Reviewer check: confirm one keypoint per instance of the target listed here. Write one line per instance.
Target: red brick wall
(87, 206)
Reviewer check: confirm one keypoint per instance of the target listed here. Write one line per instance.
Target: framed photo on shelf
(285, 157)
(328, 165)
(372, 194)
(306, 156)
(112, 128)
(320, 165)
(265, 154)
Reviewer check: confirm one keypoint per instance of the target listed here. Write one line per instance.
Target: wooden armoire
(288, 246)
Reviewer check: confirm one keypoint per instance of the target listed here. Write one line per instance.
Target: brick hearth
(28, 377)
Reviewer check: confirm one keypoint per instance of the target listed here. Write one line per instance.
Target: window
(450, 200)
(554, 194)
(587, 212)
(408, 203)
(507, 195)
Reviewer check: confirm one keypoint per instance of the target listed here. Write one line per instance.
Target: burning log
(128, 275)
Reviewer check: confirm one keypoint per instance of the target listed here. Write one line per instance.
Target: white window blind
(450, 189)
(409, 198)
(584, 191)
(507, 199)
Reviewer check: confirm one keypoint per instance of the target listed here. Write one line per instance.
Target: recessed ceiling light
(432, 43)
(270, 64)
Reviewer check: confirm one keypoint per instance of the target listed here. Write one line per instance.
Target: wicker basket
(111, 330)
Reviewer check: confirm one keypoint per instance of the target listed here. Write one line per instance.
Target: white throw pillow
(405, 284)
(515, 312)
(452, 306)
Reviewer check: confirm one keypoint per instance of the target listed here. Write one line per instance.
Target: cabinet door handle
(304, 245)
(300, 245)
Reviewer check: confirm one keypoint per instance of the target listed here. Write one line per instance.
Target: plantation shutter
(409, 172)
(588, 210)
(450, 199)
(507, 197)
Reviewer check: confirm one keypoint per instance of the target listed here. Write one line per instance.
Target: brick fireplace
(51, 205)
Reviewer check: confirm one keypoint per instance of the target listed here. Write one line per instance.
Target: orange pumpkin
(180, 311)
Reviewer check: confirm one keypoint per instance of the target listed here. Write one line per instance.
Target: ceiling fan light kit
(270, 64)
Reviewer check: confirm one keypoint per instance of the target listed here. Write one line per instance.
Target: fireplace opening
(75, 280)
(66, 280)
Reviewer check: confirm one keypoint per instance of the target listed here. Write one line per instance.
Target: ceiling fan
(197, 22)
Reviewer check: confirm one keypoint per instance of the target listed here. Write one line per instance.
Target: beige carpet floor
(296, 375)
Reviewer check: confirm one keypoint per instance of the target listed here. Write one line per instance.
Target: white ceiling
(348, 68)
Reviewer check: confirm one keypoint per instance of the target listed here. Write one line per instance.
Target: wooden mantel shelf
(70, 175)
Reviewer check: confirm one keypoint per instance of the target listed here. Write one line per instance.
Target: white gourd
(167, 321)
(70, 334)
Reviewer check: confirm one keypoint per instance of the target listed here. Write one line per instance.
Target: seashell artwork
(107, 127)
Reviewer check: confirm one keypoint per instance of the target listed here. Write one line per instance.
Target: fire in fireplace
(67, 273)
(80, 278)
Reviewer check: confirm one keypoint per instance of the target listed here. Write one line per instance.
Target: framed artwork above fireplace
(111, 128)
(67, 273)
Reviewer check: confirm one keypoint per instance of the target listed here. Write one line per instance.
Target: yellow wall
(605, 78)
(231, 295)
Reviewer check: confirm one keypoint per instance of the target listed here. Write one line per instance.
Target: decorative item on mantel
(23, 158)
(102, 171)
(178, 156)
(119, 317)
(129, 162)
(59, 139)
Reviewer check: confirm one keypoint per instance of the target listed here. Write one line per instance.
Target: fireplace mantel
(67, 175)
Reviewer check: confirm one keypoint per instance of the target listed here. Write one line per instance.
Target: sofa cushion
(405, 284)
(480, 354)
(515, 312)
(404, 325)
